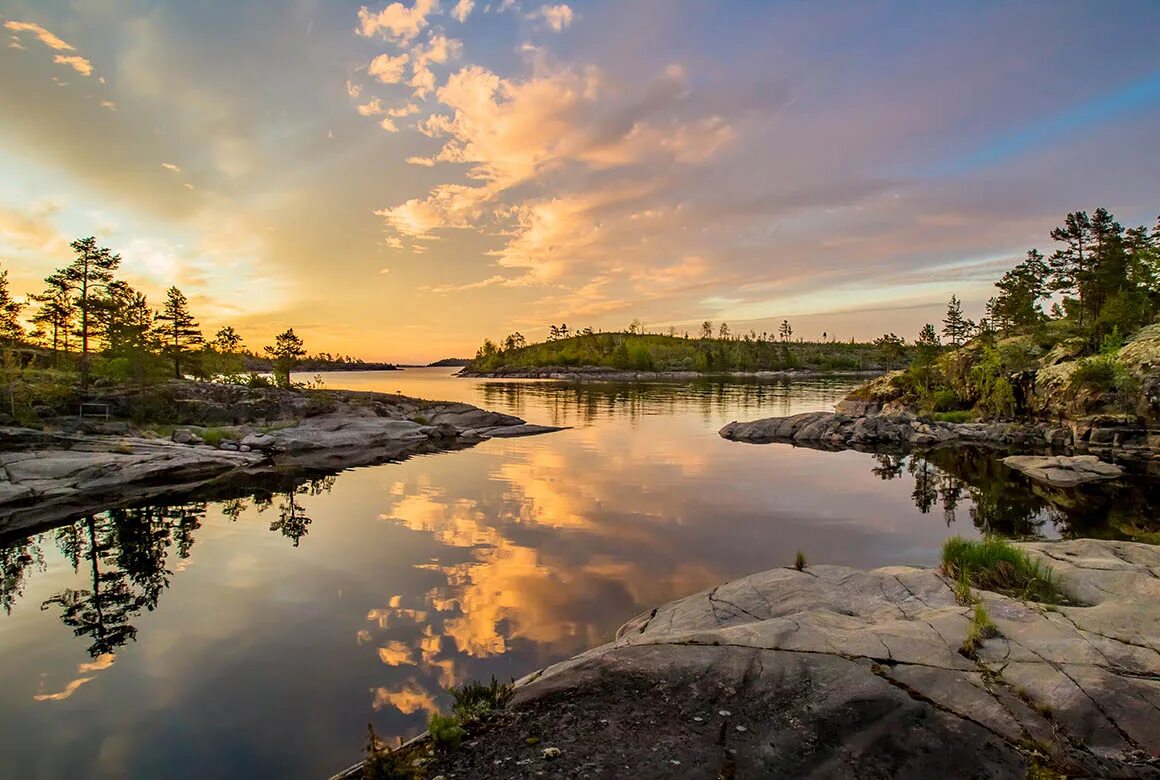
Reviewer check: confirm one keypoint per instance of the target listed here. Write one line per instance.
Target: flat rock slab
(1064, 470)
(838, 672)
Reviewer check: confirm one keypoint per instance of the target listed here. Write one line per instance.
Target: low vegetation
(996, 565)
(472, 706)
(799, 561)
(980, 629)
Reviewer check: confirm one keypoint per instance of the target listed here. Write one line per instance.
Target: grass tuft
(799, 561)
(980, 630)
(995, 564)
(963, 593)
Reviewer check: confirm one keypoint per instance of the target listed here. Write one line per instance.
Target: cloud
(76, 62)
(556, 17)
(171, 167)
(42, 35)
(397, 22)
(109, 104)
(461, 10)
(388, 69)
(373, 107)
(389, 125)
(426, 162)
(401, 111)
(439, 50)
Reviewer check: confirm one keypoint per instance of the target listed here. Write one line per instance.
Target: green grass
(215, 436)
(963, 593)
(799, 561)
(980, 630)
(958, 416)
(994, 564)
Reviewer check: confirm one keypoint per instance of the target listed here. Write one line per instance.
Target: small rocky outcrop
(903, 430)
(839, 672)
(1064, 470)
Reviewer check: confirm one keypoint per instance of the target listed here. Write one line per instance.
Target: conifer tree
(178, 329)
(88, 278)
(10, 329)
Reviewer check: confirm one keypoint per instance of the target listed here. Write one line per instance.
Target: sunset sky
(399, 181)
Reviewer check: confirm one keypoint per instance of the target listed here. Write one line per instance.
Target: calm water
(259, 636)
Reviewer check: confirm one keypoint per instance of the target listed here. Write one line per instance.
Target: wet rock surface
(839, 672)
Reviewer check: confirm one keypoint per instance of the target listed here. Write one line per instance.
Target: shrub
(994, 564)
(445, 731)
(1099, 372)
(799, 561)
(474, 700)
(944, 400)
(382, 763)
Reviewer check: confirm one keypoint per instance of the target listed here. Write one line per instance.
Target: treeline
(712, 349)
(88, 322)
(1100, 285)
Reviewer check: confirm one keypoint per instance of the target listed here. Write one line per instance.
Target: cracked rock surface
(840, 672)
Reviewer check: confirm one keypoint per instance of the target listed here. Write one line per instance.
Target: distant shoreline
(599, 374)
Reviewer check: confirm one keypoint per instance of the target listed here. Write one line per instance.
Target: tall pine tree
(177, 328)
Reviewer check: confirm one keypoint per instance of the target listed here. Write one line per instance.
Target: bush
(944, 400)
(995, 564)
(472, 701)
(445, 731)
(1100, 372)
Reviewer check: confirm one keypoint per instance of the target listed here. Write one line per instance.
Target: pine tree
(956, 327)
(88, 278)
(288, 349)
(179, 331)
(10, 329)
(1071, 266)
(56, 312)
(1020, 291)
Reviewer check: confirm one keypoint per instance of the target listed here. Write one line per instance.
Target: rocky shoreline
(599, 374)
(48, 475)
(902, 430)
(839, 672)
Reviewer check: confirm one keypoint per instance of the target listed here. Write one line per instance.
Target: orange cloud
(76, 62)
(42, 35)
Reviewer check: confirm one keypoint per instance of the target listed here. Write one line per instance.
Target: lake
(259, 636)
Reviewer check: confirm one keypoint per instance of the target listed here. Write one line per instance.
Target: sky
(398, 181)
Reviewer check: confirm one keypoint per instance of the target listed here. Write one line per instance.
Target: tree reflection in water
(1005, 502)
(123, 556)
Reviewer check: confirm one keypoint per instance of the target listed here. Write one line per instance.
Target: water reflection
(122, 557)
(1003, 501)
(587, 402)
